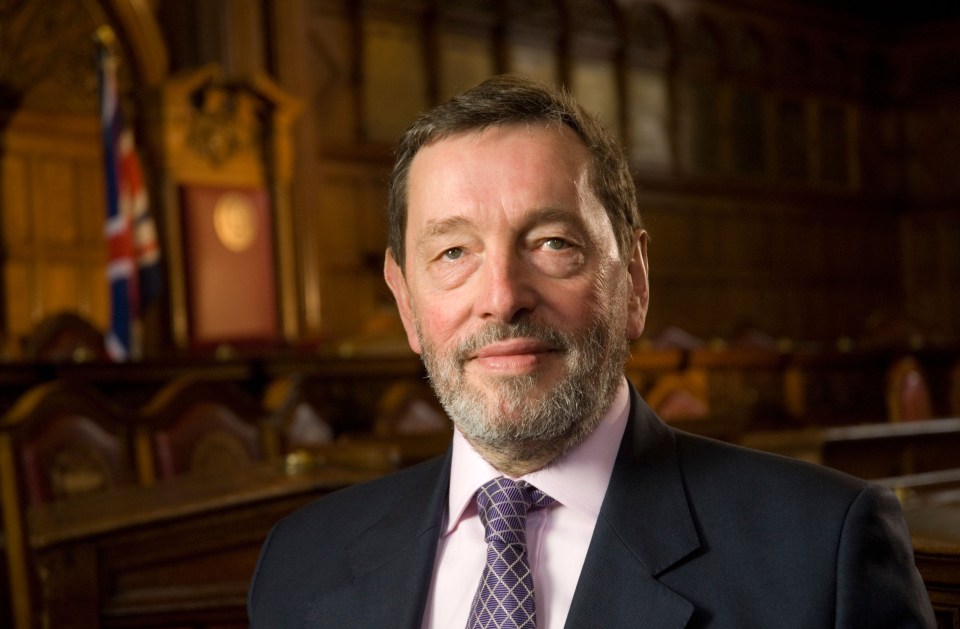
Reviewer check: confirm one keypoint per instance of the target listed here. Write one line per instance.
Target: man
(519, 265)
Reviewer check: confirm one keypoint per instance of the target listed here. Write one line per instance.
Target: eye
(454, 253)
(556, 244)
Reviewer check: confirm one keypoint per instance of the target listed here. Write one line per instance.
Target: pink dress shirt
(557, 537)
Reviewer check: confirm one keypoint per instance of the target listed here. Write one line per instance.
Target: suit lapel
(645, 527)
(392, 561)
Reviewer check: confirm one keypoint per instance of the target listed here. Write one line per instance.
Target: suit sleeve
(878, 584)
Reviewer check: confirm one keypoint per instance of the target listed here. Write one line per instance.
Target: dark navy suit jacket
(692, 533)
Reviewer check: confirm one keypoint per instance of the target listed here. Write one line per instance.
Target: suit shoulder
(355, 507)
(719, 463)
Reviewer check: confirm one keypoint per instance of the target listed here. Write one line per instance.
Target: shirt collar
(577, 480)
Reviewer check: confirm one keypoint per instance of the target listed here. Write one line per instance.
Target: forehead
(507, 168)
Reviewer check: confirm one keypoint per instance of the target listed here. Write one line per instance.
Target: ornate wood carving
(47, 55)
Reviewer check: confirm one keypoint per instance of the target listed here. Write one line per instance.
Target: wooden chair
(680, 396)
(65, 337)
(59, 441)
(299, 420)
(306, 439)
(203, 427)
(675, 337)
(954, 389)
(410, 421)
(410, 407)
(908, 392)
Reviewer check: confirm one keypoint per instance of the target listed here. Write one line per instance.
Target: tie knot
(503, 504)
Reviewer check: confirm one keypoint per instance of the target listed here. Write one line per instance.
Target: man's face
(514, 291)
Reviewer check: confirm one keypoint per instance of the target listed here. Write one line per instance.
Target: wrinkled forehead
(510, 160)
(506, 177)
(506, 152)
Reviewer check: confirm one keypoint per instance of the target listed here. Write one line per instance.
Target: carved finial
(105, 36)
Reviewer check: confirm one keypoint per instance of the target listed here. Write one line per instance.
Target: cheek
(580, 302)
(438, 326)
(583, 307)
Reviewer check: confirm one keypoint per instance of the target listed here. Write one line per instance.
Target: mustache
(524, 328)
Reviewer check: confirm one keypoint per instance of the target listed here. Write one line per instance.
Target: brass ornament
(235, 221)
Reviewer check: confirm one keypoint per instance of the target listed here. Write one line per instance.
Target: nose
(507, 290)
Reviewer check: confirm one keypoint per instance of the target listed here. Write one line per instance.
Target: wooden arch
(138, 30)
(51, 162)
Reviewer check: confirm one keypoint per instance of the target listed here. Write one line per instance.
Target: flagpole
(133, 264)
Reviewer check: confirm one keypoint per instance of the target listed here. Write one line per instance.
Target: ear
(640, 291)
(393, 274)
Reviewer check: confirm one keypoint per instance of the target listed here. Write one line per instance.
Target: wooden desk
(892, 449)
(931, 507)
(935, 531)
(175, 555)
(880, 450)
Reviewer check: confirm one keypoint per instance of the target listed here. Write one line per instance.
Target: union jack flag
(133, 265)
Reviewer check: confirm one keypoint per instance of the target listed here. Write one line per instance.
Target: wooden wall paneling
(393, 70)
(594, 59)
(353, 232)
(53, 199)
(466, 46)
(53, 217)
(701, 94)
(596, 86)
(834, 144)
(751, 120)
(16, 233)
(229, 135)
(881, 172)
(930, 257)
(334, 84)
(931, 139)
(792, 130)
(532, 32)
(650, 119)
(810, 273)
(279, 157)
(747, 130)
(313, 53)
(649, 91)
(693, 81)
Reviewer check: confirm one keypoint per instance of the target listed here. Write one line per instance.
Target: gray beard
(507, 418)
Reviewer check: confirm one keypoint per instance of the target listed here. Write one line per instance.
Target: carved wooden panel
(53, 213)
(792, 148)
(464, 61)
(51, 175)
(353, 236)
(595, 87)
(649, 118)
(395, 78)
(334, 107)
(720, 106)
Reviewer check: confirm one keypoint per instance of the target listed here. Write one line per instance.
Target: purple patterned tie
(505, 599)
